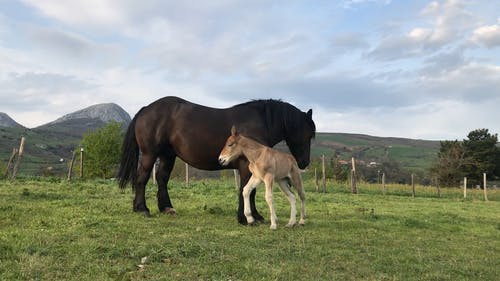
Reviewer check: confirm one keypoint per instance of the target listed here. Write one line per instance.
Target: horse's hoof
(145, 213)
(290, 225)
(302, 222)
(258, 217)
(254, 223)
(170, 211)
(273, 227)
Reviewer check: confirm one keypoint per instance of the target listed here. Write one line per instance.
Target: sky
(391, 68)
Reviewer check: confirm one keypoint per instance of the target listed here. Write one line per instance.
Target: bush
(102, 149)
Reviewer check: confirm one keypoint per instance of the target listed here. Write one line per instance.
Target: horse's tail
(130, 157)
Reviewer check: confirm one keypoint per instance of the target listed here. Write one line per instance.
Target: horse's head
(231, 149)
(299, 138)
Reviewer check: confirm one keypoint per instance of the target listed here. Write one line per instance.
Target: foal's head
(231, 149)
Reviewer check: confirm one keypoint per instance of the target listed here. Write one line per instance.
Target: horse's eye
(231, 144)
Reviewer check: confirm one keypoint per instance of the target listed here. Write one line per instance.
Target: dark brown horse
(172, 127)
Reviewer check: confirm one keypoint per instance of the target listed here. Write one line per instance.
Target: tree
(482, 154)
(340, 172)
(102, 150)
(448, 168)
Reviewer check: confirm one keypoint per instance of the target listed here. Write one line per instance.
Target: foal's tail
(130, 157)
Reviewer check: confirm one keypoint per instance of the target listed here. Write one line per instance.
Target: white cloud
(488, 35)
(353, 3)
(349, 41)
(89, 12)
(471, 82)
(71, 45)
(448, 24)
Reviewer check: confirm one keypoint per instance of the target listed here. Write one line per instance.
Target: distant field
(55, 230)
(409, 153)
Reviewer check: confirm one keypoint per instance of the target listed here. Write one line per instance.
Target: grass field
(55, 230)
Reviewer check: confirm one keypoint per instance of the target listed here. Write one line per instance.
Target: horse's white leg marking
(268, 181)
(291, 198)
(252, 183)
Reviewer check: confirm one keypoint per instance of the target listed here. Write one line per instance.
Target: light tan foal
(267, 165)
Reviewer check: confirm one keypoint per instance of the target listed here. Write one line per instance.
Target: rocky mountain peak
(6, 121)
(106, 112)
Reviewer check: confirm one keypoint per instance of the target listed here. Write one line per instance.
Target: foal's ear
(233, 131)
(310, 113)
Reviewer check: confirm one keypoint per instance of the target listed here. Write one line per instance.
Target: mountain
(6, 121)
(82, 121)
(105, 112)
(49, 147)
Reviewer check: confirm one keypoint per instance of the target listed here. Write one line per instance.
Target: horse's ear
(310, 113)
(233, 131)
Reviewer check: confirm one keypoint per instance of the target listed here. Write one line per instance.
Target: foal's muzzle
(223, 161)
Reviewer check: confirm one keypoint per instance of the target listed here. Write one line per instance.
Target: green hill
(48, 148)
(409, 153)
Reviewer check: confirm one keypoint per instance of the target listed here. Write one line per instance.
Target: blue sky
(418, 69)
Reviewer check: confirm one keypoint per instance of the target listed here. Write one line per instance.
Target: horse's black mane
(279, 111)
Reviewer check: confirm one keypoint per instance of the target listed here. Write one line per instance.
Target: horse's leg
(249, 187)
(268, 181)
(166, 165)
(291, 198)
(244, 177)
(297, 183)
(143, 172)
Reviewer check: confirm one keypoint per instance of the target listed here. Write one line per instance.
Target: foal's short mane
(280, 114)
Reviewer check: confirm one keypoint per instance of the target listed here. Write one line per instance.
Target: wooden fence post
(412, 186)
(70, 169)
(81, 162)
(354, 188)
(465, 187)
(323, 182)
(9, 164)
(236, 180)
(383, 184)
(316, 184)
(438, 188)
(187, 174)
(19, 157)
(485, 189)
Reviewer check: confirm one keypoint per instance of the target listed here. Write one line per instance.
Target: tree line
(475, 155)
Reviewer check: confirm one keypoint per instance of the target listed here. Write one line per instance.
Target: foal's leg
(268, 181)
(143, 173)
(244, 177)
(249, 187)
(291, 198)
(166, 165)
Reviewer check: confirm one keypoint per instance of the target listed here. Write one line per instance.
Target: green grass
(55, 230)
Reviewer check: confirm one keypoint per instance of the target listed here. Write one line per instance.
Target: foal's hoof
(170, 211)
